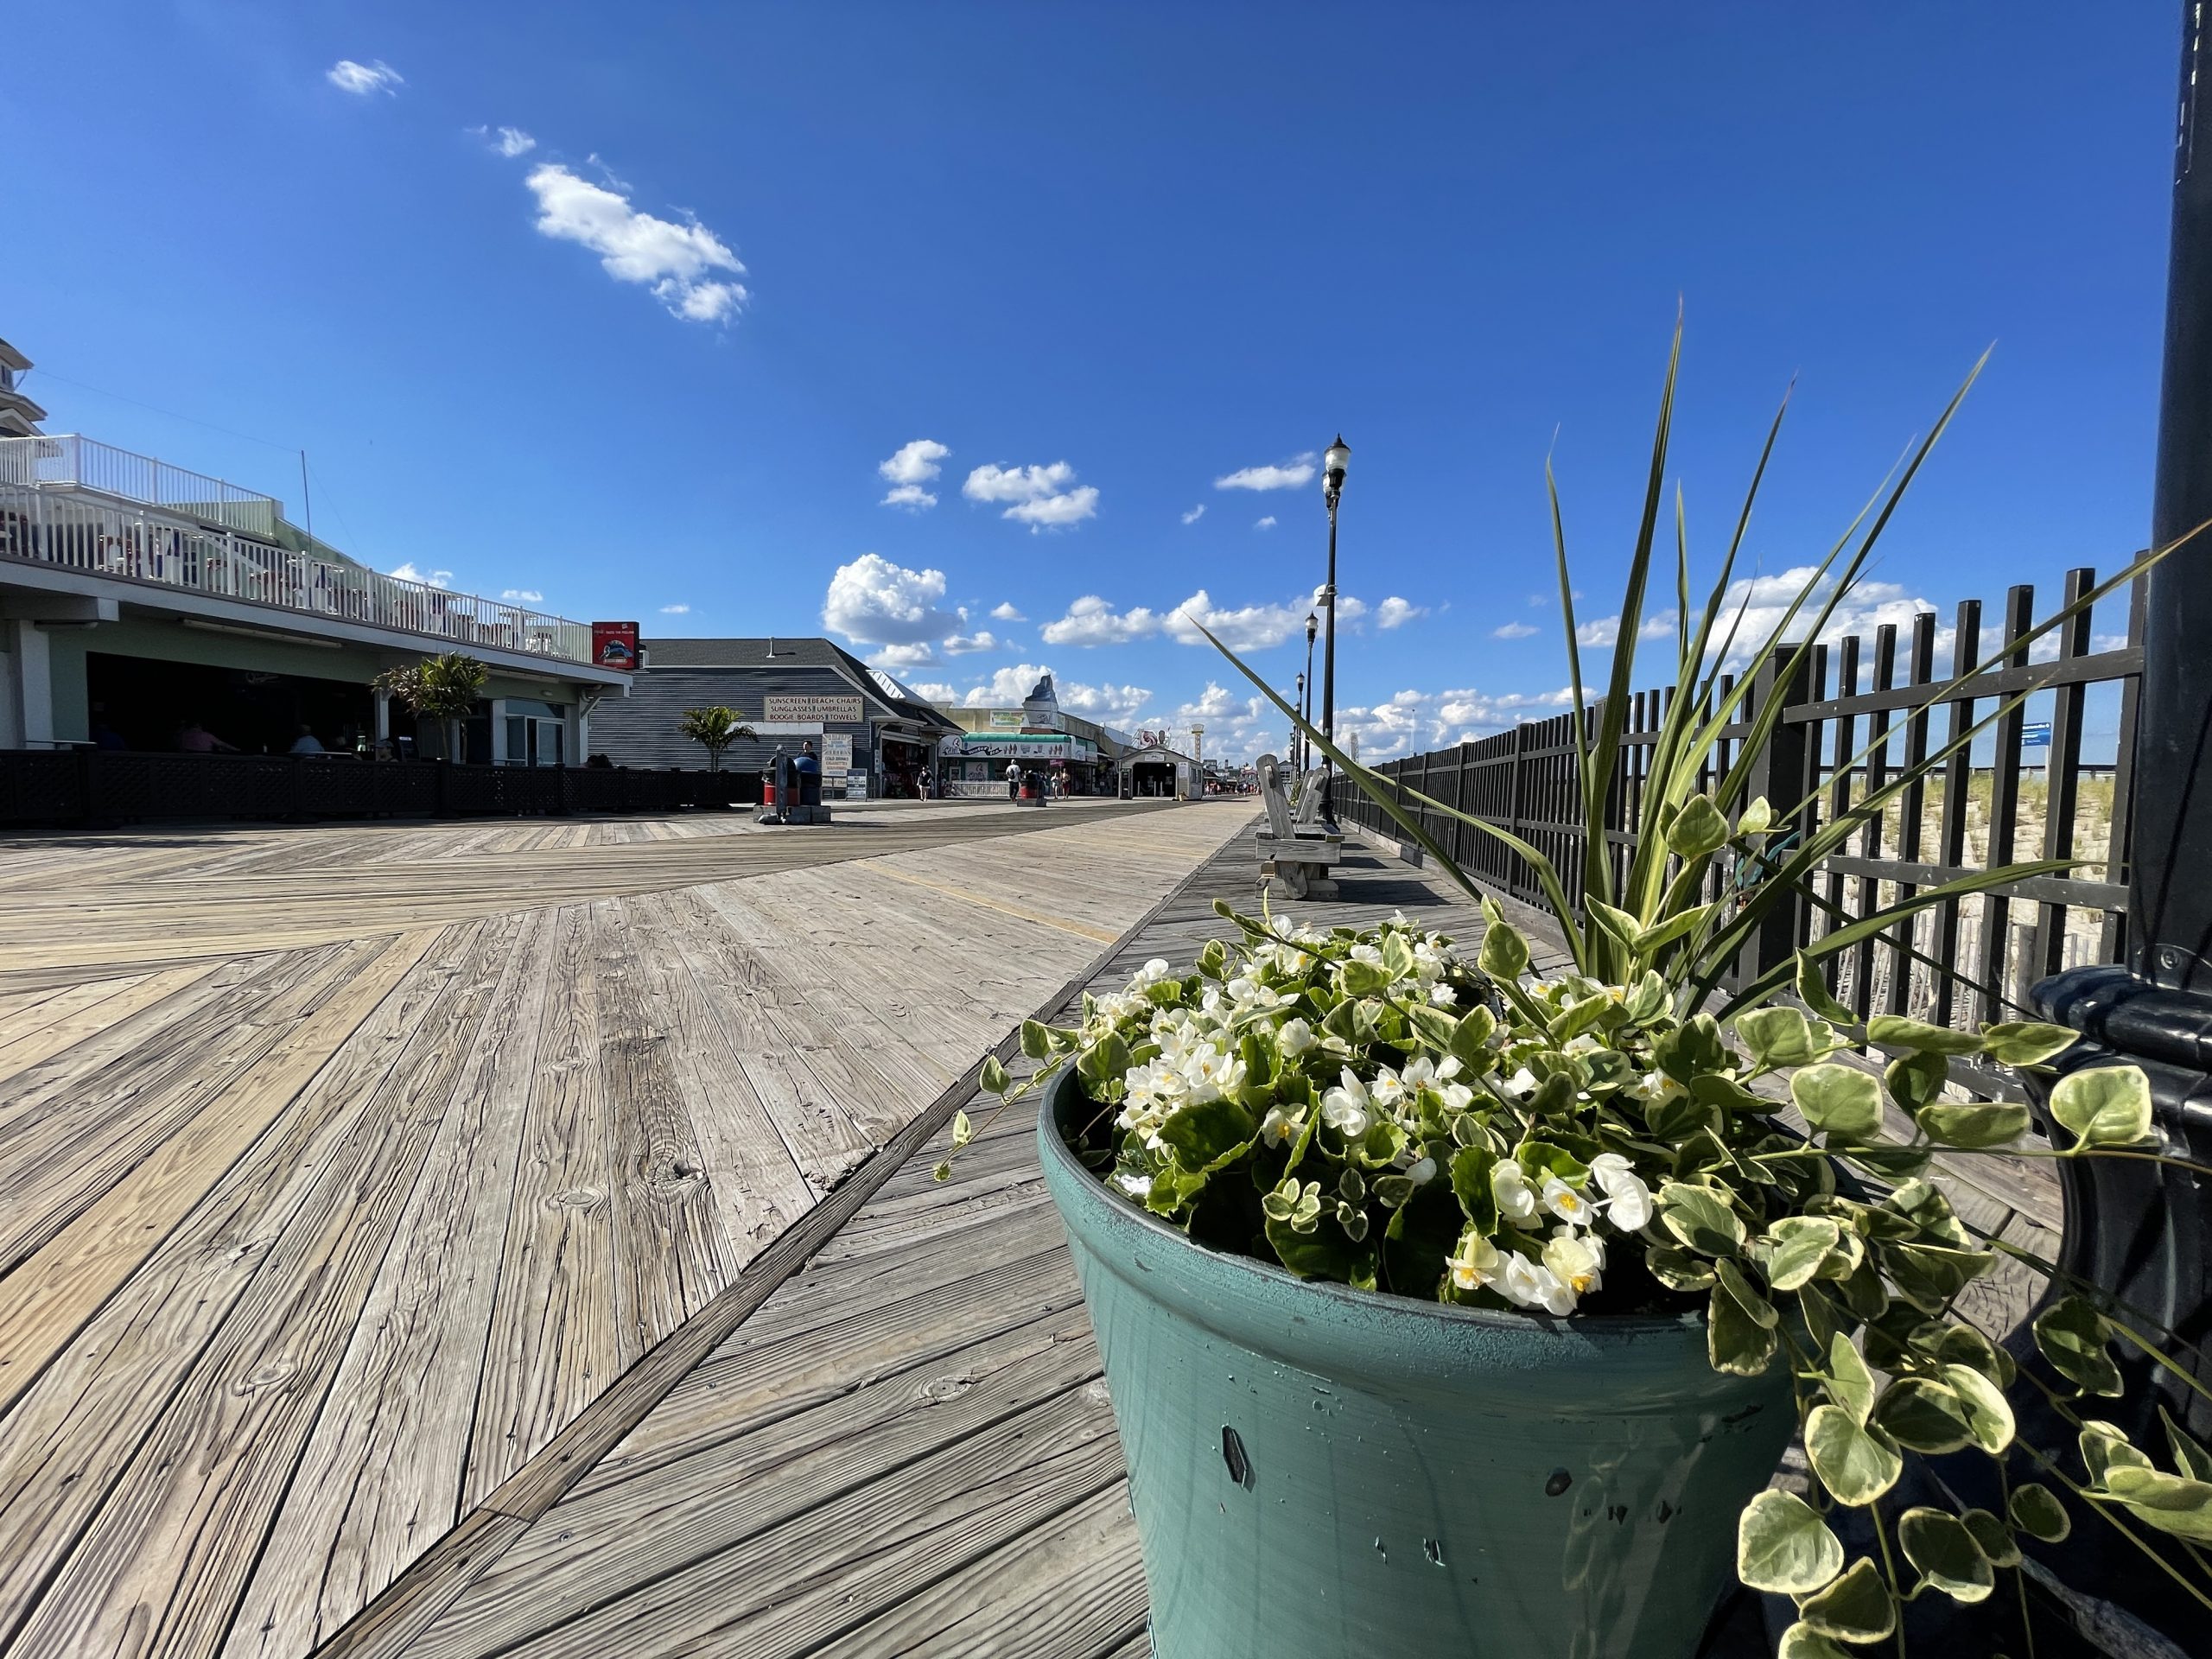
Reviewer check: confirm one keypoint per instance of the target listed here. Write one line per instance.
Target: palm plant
(713, 728)
(444, 688)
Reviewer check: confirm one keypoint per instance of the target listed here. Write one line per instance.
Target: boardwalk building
(874, 735)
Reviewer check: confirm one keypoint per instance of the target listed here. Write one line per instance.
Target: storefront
(1154, 773)
(976, 763)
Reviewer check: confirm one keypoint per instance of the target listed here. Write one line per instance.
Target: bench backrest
(1309, 798)
(1271, 797)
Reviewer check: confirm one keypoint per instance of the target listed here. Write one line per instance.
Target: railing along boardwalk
(78, 505)
(351, 1217)
(1851, 721)
(909, 1448)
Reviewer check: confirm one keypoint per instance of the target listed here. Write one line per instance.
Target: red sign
(614, 645)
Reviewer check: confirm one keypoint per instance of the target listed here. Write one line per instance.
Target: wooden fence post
(1783, 774)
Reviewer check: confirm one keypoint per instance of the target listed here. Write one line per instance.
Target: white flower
(1151, 974)
(1137, 1186)
(1280, 1128)
(1655, 1087)
(1627, 1201)
(1295, 1037)
(1443, 996)
(1584, 1044)
(1531, 1284)
(1576, 1260)
(1477, 1262)
(1458, 1097)
(1508, 1185)
(1521, 1083)
(1369, 954)
(1567, 1203)
(1387, 1090)
(1345, 1109)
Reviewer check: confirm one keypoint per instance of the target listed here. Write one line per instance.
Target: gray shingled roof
(793, 652)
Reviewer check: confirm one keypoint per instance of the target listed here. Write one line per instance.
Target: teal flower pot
(1319, 1471)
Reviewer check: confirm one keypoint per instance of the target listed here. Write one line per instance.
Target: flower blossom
(1627, 1201)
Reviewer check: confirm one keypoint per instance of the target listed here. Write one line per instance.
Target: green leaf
(1856, 1608)
(1618, 923)
(1923, 1416)
(1470, 1038)
(2172, 1503)
(1036, 1041)
(963, 1130)
(1690, 1048)
(1735, 1342)
(2037, 1511)
(1838, 1101)
(1324, 1253)
(1991, 1536)
(993, 1078)
(1776, 1037)
(1678, 1269)
(943, 1172)
(1470, 1180)
(1916, 1080)
(1855, 1463)
(1851, 1385)
(1209, 1135)
(1213, 960)
(1928, 1275)
(1698, 829)
(2106, 1448)
(1945, 1554)
(2104, 1105)
(1801, 1244)
(1812, 992)
(1783, 1547)
(2072, 1335)
(1106, 1061)
(1422, 1233)
(1701, 1218)
(1801, 1641)
(1434, 1027)
(1362, 978)
(2189, 1457)
(1755, 819)
(1746, 1296)
(1895, 1031)
(1979, 1125)
(1989, 1414)
(2027, 1042)
(1666, 931)
(1504, 953)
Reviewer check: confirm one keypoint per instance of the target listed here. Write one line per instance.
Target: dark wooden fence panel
(41, 789)
(1859, 713)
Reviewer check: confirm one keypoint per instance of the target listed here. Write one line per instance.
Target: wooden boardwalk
(364, 1185)
(908, 1449)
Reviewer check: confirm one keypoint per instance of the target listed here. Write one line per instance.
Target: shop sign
(1005, 720)
(614, 645)
(836, 752)
(1015, 747)
(856, 785)
(813, 707)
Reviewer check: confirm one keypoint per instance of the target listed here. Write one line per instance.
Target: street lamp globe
(1334, 463)
(1312, 627)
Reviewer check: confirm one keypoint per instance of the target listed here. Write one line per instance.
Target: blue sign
(2036, 736)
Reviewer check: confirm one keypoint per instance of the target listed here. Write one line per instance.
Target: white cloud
(1109, 704)
(407, 572)
(1395, 612)
(1249, 628)
(1040, 497)
(1513, 631)
(509, 142)
(1606, 630)
(1288, 475)
(676, 610)
(675, 261)
(1413, 720)
(364, 79)
(1268, 522)
(1091, 621)
(518, 595)
(964, 645)
(877, 602)
(921, 655)
(1195, 514)
(912, 467)
(935, 691)
(1006, 612)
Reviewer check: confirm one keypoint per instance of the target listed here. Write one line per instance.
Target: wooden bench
(1297, 851)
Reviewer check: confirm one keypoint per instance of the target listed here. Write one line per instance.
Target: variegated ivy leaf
(1755, 819)
(1812, 992)
(1851, 1384)
(2189, 1457)
(963, 1130)
(1797, 1246)
(1736, 1341)
(1856, 1608)
(1839, 1100)
(2073, 1336)
(2027, 1042)
(1924, 1416)
(1855, 1462)
(1701, 1218)
(2105, 1448)
(1777, 1037)
(1698, 829)
(993, 1078)
(1989, 1414)
(1895, 1031)
(1801, 1641)
(1782, 1547)
(2037, 1511)
(1992, 1536)
(1504, 952)
(2173, 1503)
(2104, 1106)
(1976, 1125)
(1945, 1554)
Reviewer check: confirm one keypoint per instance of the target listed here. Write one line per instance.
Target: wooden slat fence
(1958, 961)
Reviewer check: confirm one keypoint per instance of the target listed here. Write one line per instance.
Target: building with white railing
(137, 596)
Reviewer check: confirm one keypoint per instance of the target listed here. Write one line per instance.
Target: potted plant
(1451, 1307)
(443, 688)
(715, 729)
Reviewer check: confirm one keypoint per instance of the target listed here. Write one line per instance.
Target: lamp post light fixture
(1333, 465)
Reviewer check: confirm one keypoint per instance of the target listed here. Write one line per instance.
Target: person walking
(1013, 780)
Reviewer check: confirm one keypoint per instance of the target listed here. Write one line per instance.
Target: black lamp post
(2142, 1231)
(1306, 692)
(1297, 739)
(1332, 486)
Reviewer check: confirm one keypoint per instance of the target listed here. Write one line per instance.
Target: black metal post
(2138, 1229)
(1329, 662)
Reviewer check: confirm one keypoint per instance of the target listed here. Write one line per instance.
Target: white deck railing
(64, 520)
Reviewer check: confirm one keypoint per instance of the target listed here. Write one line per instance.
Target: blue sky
(742, 259)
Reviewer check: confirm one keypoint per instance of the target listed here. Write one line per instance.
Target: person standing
(1013, 780)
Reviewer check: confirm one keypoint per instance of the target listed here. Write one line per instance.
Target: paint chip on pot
(1434, 1550)
(1232, 1453)
(1560, 1481)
